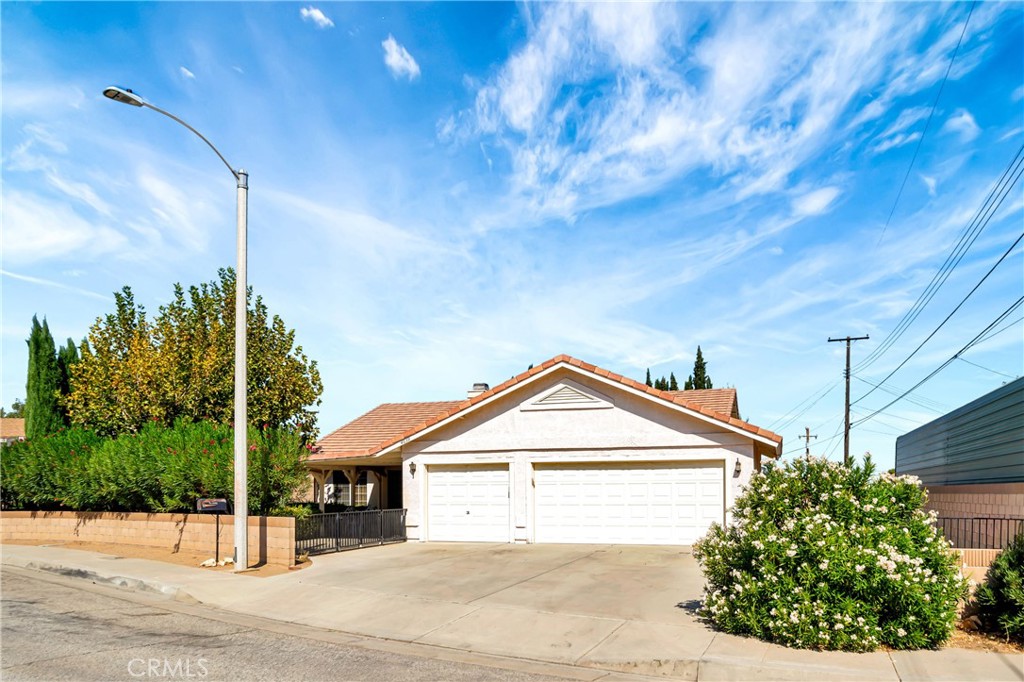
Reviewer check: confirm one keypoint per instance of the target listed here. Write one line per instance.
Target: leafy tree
(43, 414)
(673, 385)
(648, 380)
(699, 379)
(180, 365)
(17, 410)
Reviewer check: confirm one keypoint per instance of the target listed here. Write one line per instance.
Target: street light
(126, 96)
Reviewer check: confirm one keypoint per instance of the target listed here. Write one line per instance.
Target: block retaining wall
(271, 538)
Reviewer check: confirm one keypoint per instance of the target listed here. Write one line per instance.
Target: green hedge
(159, 469)
(1001, 597)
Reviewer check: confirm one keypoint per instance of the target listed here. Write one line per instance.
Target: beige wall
(989, 500)
(626, 427)
(271, 538)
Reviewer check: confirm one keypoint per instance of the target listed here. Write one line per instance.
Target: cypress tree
(66, 357)
(700, 376)
(648, 381)
(673, 385)
(43, 415)
(688, 384)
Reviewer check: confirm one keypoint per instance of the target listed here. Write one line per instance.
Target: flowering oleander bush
(825, 556)
(1001, 597)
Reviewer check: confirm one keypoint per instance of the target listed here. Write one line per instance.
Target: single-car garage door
(468, 503)
(647, 503)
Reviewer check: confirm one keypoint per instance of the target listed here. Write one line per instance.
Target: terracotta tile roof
(721, 400)
(12, 427)
(381, 423)
(391, 423)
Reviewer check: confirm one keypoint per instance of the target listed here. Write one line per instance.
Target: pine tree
(673, 385)
(43, 415)
(648, 381)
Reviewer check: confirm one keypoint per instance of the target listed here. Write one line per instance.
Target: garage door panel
(468, 503)
(638, 503)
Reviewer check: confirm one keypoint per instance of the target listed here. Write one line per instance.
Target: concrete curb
(120, 581)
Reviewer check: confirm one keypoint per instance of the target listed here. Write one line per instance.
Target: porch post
(352, 474)
(320, 482)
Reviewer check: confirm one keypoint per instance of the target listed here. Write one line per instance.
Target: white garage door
(468, 503)
(643, 503)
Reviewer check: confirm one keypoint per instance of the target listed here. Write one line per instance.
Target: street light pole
(241, 501)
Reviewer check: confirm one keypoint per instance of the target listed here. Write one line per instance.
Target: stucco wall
(271, 538)
(630, 428)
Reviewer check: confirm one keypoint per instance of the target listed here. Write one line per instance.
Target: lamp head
(123, 95)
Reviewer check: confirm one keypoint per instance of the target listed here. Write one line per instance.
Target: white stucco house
(564, 452)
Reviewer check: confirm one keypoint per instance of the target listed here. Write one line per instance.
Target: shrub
(825, 556)
(158, 469)
(1001, 597)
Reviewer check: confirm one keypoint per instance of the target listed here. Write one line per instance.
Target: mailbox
(211, 504)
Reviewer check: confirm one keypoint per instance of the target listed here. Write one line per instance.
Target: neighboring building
(565, 452)
(972, 459)
(12, 429)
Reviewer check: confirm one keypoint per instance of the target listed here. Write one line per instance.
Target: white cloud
(1018, 94)
(963, 124)
(316, 16)
(897, 140)
(815, 203)
(38, 229)
(677, 97)
(398, 60)
(186, 73)
(55, 285)
(929, 182)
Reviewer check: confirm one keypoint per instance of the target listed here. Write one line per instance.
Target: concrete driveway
(606, 606)
(624, 582)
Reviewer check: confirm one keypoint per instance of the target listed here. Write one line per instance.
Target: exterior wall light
(412, 469)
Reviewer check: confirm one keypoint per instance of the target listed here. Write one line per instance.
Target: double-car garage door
(670, 503)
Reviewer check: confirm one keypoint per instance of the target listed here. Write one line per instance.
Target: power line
(945, 364)
(821, 393)
(934, 405)
(941, 324)
(971, 232)
(924, 132)
(985, 368)
(1000, 331)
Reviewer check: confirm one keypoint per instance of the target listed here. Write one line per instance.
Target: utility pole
(807, 437)
(846, 428)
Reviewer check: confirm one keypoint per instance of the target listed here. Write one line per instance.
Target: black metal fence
(322, 533)
(980, 533)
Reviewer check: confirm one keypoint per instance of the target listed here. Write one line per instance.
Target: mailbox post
(216, 505)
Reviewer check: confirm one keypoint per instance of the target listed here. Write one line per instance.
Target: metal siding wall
(981, 442)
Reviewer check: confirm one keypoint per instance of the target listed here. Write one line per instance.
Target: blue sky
(446, 193)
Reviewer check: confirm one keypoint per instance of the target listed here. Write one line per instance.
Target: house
(564, 452)
(12, 429)
(972, 459)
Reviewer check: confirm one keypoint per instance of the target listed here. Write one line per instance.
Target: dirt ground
(981, 641)
(184, 558)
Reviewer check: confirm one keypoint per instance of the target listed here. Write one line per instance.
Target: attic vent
(566, 395)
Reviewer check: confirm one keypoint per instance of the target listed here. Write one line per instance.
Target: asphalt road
(56, 628)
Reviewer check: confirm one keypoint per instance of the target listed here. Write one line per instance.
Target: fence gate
(323, 533)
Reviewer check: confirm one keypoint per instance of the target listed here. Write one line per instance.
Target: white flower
(859, 568)
(901, 632)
